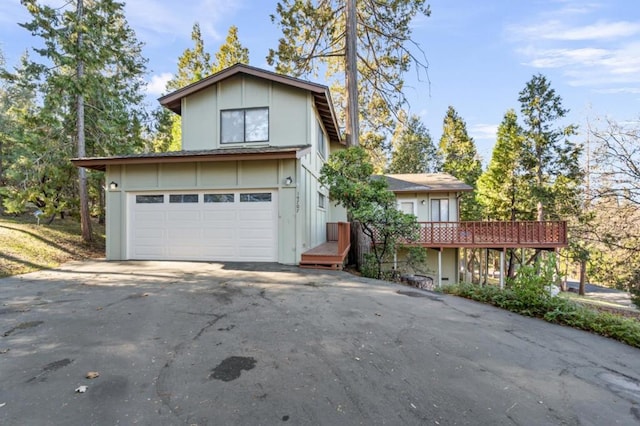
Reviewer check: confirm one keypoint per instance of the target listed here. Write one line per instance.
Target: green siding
(289, 112)
(200, 120)
(240, 175)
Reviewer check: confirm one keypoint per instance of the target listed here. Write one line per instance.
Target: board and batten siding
(424, 210)
(289, 112)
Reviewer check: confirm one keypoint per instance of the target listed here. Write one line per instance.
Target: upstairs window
(440, 210)
(244, 125)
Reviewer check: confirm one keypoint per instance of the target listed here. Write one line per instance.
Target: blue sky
(480, 53)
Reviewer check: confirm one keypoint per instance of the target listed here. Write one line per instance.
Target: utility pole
(351, 74)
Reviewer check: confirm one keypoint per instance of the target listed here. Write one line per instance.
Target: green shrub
(525, 298)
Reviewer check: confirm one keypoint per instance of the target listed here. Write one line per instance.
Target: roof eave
(101, 163)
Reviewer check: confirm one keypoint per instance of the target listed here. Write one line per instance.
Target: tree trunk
(351, 75)
(82, 174)
(583, 277)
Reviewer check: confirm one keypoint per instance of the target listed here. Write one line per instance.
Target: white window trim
(414, 201)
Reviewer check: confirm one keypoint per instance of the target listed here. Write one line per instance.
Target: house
(434, 200)
(245, 185)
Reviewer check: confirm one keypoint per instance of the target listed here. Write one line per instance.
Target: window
(244, 125)
(149, 199)
(183, 198)
(322, 147)
(219, 198)
(322, 201)
(256, 197)
(408, 207)
(440, 210)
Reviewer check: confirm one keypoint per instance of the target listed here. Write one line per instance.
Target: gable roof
(321, 95)
(205, 156)
(425, 182)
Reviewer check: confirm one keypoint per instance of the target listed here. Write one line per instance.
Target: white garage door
(208, 225)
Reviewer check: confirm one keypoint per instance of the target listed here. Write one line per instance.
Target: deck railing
(340, 232)
(528, 234)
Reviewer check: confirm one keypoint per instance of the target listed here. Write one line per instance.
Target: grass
(557, 310)
(27, 247)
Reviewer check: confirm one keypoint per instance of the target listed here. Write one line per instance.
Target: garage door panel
(229, 230)
(186, 217)
(152, 251)
(145, 217)
(218, 215)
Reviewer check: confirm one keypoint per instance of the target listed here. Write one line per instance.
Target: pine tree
(552, 160)
(460, 159)
(413, 149)
(502, 190)
(90, 57)
(315, 37)
(193, 65)
(231, 52)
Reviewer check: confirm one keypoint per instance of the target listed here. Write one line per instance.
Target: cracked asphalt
(263, 344)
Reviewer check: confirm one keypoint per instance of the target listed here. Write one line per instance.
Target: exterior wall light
(113, 185)
(423, 202)
(288, 180)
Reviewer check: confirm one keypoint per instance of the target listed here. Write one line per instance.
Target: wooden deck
(331, 254)
(547, 235)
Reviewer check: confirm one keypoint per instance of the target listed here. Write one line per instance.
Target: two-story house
(244, 187)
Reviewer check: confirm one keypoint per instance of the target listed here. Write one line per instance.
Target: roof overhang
(206, 156)
(424, 182)
(321, 94)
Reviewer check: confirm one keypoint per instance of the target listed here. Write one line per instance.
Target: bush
(519, 298)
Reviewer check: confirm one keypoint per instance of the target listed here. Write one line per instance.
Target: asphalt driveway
(222, 344)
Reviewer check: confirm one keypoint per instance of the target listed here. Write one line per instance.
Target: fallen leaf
(92, 375)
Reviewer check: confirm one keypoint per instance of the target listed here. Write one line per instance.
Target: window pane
(232, 126)
(256, 197)
(321, 201)
(435, 210)
(183, 198)
(149, 199)
(218, 198)
(444, 210)
(257, 124)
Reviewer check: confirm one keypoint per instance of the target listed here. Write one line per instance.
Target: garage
(203, 225)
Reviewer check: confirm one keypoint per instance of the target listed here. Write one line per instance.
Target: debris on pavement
(92, 375)
(82, 389)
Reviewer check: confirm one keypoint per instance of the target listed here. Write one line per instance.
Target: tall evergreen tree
(231, 52)
(91, 54)
(502, 190)
(193, 65)
(460, 159)
(315, 37)
(552, 160)
(413, 150)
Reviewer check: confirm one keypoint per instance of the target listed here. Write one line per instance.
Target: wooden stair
(331, 254)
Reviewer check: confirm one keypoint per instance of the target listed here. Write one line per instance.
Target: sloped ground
(26, 246)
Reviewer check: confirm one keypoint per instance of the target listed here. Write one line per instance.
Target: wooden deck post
(439, 267)
(502, 268)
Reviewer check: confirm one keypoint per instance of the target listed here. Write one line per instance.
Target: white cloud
(562, 31)
(589, 47)
(157, 85)
(483, 131)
